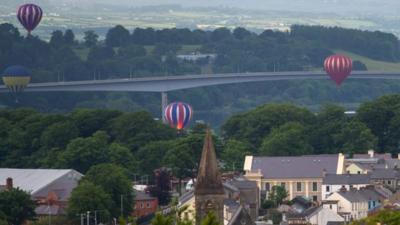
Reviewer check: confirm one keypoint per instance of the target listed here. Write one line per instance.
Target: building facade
(300, 176)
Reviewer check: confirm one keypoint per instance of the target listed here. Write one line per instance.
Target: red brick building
(144, 204)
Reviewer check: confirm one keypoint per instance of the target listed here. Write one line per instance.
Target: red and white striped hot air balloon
(178, 114)
(338, 67)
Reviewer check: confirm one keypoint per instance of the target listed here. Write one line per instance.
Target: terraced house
(301, 175)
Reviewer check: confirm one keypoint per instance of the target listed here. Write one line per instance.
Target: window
(142, 205)
(267, 186)
(330, 206)
(315, 198)
(358, 172)
(328, 188)
(314, 186)
(299, 186)
(389, 182)
(148, 205)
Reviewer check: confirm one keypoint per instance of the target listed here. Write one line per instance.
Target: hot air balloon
(29, 15)
(338, 67)
(178, 114)
(16, 78)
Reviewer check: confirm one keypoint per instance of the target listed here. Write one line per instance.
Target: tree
(57, 39)
(234, 153)
(82, 153)
(385, 216)
(132, 51)
(381, 117)
(289, 139)
(117, 36)
(58, 135)
(253, 126)
(69, 37)
(91, 38)
(241, 33)
(277, 195)
(162, 220)
(210, 219)
(17, 206)
(162, 188)
(355, 137)
(88, 197)
(114, 181)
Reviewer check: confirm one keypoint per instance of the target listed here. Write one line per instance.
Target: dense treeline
(284, 129)
(149, 52)
(140, 144)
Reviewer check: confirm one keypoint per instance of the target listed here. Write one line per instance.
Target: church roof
(208, 178)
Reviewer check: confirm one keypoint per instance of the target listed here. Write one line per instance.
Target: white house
(355, 204)
(334, 182)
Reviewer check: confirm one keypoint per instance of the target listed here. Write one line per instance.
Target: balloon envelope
(16, 78)
(338, 67)
(178, 114)
(29, 15)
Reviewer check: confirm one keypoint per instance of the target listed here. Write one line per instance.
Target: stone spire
(208, 178)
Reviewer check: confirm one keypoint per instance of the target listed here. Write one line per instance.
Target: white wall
(324, 216)
(336, 188)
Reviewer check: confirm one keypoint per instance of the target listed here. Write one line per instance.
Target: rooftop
(346, 179)
(384, 174)
(33, 180)
(295, 167)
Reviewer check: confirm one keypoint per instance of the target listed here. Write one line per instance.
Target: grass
(372, 65)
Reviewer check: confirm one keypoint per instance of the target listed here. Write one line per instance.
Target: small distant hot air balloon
(16, 78)
(29, 15)
(338, 67)
(178, 114)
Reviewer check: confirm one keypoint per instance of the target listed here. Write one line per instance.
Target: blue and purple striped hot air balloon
(29, 15)
(178, 114)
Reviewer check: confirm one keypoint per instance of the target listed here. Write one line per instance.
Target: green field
(372, 65)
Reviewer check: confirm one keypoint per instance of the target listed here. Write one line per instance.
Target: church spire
(208, 178)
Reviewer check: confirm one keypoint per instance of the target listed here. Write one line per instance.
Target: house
(299, 175)
(321, 215)
(51, 188)
(334, 182)
(365, 163)
(355, 204)
(144, 205)
(389, 178)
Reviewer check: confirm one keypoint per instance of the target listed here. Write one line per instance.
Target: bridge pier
(164, 103)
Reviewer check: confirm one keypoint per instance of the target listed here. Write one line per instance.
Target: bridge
(164, 84)
(172, 83)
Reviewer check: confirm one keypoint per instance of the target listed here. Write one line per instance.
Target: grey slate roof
(350, 179)
(335, 223)
(243, 184)
(384, 174)
(361, 195)
(376, 155)
(295, 167)
(141, 196)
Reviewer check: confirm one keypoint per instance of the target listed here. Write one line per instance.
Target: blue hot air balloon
(16, 78)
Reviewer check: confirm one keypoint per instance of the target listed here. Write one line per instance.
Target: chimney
(371, 153)
(9, 183)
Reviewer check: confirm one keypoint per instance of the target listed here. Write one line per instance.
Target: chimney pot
(9, 183)
(371, 153)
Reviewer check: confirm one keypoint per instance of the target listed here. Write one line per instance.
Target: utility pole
(82, 218)
(95, 217)
(88, 218)
(122, 206)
